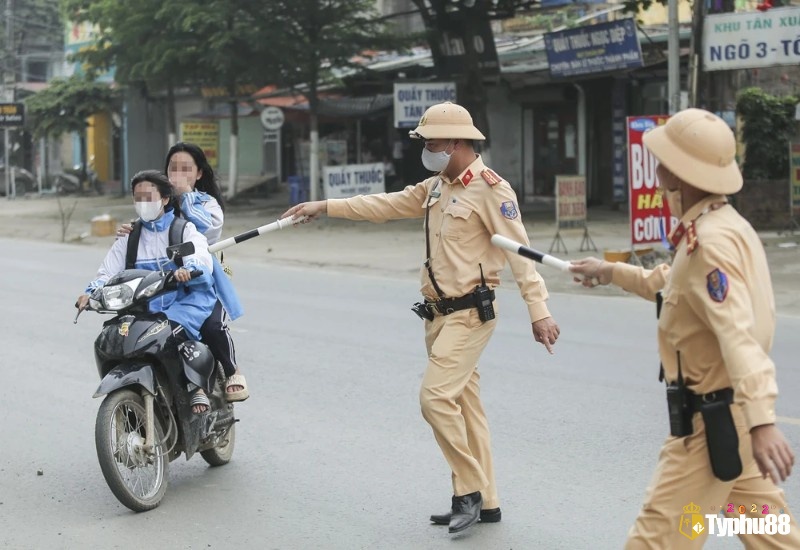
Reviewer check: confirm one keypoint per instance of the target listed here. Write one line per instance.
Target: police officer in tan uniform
(463, 205)
(715, 331)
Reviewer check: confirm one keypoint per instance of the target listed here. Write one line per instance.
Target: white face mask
(148, 211)
(436, 162)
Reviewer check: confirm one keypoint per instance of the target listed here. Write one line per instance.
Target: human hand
(182, 275)
(309, 211)
(546, 332)
(594, 271)
(82, 302)
(124, 229)
(181, 185)
(772, 452)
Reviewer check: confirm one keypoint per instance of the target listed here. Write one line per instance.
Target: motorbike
(145, 420)
(24, 181)
(78, 180)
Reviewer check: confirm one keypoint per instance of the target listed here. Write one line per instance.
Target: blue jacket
(205, 213)
(189, 308)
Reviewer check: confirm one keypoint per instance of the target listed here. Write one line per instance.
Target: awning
(330, 105)
(356, 107)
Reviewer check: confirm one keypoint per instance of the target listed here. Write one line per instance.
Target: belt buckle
(709, 397)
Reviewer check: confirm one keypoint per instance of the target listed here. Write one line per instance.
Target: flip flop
(240, 395)
(200, 399)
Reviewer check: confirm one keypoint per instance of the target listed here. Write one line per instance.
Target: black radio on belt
(680, 416)
(680, 406)
(483, 300)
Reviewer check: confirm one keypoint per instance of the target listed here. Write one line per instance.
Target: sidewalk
(392, 249)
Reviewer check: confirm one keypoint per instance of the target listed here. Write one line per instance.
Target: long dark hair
(162, 184)
(208, 181)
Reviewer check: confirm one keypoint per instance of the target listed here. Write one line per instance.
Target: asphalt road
(331, 449)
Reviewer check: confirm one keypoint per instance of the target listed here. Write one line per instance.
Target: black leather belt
(446, 306)
(725, 395)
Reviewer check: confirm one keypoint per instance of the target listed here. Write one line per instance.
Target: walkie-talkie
(483, 300)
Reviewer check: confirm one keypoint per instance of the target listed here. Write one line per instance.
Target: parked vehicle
(24, 181)
(77, 180)
(145, 420)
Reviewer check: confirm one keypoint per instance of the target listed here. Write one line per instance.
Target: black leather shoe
(466, 511)
(492, 515)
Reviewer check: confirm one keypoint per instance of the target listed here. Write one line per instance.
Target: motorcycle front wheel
(137, 478)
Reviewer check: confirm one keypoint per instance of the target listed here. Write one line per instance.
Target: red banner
(648, 209)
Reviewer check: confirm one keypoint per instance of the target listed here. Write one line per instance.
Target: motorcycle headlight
(119, 296)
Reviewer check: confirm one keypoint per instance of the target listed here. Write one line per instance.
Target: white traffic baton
(531, 253)
(241, 237)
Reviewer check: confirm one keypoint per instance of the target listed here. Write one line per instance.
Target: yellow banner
(206, 136)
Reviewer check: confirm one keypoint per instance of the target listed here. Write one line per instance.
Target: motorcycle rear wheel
(138, 480)
(222, 453)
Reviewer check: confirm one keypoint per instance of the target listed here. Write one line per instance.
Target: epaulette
(491, 177)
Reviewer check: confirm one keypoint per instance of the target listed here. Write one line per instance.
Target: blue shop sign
(597, 48)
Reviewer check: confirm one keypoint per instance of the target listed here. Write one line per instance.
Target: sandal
(200, 398)
(240, 395)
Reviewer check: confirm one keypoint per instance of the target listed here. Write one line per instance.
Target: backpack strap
(133, 245)
(176, 231)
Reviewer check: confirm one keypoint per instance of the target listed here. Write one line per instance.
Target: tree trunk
(233, 150)
(696, 51)
(172, 120)
(313, 145)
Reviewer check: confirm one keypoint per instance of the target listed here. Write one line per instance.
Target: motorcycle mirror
(180, 250)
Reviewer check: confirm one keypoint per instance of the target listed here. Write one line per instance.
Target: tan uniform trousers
(683, 476)
(451, 403)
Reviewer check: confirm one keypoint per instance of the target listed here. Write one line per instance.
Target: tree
(65, 105)
(165, 45)
(238, 47)
(769, 126)
(315, 38)
(463, 21)
(144, 44)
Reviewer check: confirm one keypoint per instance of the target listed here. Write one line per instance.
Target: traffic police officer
(464, 204)
(715, 331)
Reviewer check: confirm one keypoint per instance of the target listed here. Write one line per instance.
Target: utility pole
(673, 59)
(8, 95)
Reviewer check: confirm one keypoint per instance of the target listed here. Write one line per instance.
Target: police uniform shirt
(718, 310)
(464, 213)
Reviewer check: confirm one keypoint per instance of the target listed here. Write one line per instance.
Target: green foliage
(309, 38)
(769, 126)
(142, 40)
(229, 42)
(65, 105)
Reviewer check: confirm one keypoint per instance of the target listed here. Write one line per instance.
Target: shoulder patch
(717, 285)
(491, 177)
(509, 210)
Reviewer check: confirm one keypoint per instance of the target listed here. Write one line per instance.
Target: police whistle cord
(531, 253)
(241, 237)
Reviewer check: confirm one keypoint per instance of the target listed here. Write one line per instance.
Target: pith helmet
(446, 121)
(699, 148)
